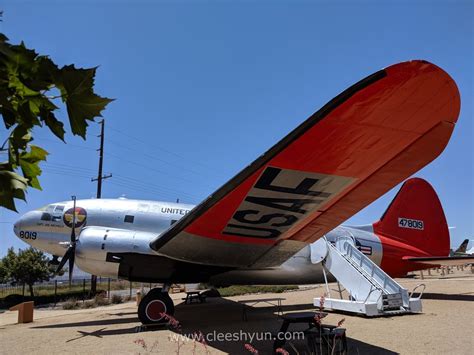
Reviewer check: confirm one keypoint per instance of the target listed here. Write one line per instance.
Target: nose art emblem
(81, 217)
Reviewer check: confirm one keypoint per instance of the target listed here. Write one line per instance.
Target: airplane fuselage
(121, 225)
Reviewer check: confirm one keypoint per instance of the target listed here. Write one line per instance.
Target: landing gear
(154, 305)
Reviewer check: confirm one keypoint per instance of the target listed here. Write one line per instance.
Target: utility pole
(99, 179)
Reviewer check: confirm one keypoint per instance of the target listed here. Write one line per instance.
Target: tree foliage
(26, 267)
(32, 89)
(3, 273)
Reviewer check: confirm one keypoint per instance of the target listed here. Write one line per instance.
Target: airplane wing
(353, 150)
(442, 260)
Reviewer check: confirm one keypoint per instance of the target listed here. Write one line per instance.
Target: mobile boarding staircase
(371, 291)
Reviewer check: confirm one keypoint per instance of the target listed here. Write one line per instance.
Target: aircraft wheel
(153, 305)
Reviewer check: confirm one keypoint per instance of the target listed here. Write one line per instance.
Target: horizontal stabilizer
(442, 260)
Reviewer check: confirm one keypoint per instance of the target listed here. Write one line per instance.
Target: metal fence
(77, 286)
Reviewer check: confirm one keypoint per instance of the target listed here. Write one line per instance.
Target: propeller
(54, 261)
(71, 250)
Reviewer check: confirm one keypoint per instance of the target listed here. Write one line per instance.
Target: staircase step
(374, 292)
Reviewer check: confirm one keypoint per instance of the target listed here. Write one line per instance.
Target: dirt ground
(445, 327)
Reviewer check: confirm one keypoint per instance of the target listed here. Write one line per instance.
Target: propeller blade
(71, 263)
(73, 233)
(65, 258)
(54, 261)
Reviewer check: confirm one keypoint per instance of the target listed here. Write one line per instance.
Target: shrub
(62, 296)
(116, 299)
(243, 290)
(121, 285)
(89, 304)
(101, 301)
(101, 293)
(71, 303)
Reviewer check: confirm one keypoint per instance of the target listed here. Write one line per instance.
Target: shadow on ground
(447, 297)
(216, 316)
(107, 321)
(225, 317)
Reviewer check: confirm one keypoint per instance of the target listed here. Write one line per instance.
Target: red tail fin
(415, 217)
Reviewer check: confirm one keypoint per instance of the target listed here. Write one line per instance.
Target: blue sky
(205, 87)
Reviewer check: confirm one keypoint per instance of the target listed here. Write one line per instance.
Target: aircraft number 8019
(28, 235)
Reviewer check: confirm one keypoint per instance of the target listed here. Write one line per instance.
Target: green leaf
(12, 186)
(35, 154)
(29, 163)
(26, 116)
(3, 38)
(42, 73)
(31, 171)
(18, 141)
(84, 107)
(82, 103)
(8, 114)
(56, 126)
(29, 84)
(19, 87)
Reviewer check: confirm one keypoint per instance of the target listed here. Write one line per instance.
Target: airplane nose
(17, 227)
(26, 222)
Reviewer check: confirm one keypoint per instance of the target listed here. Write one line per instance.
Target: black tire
(154, 303)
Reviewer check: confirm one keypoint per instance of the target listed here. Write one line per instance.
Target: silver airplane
(113, 230)
(128, 226)
(263, 226)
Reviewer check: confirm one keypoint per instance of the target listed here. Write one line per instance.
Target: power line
(76, 171)
(155, 187)
(143, 154)
(79, 171)
(165, 150)
(141, 141)
(153, 157)
(72, 174)
(128, 182)
(147, 190)
(62, 143)
(114, 156)
(68, 167)
(167, 195)
(128, 186)
(150, 168)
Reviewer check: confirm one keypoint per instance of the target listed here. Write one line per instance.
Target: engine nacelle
(95, 242)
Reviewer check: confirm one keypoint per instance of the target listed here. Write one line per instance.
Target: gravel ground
(446, 325)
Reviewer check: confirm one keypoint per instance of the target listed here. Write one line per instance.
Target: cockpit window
(53, 207)
(46, 216)
(59, 208)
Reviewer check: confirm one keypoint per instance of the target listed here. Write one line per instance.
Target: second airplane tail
(414, 224)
